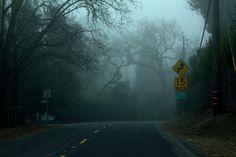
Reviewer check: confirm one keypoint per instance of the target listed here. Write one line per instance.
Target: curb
(180, 149)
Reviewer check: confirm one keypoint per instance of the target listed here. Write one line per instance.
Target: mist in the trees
(102, 60)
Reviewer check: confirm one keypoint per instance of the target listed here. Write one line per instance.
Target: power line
(204, 29)
(200, 31)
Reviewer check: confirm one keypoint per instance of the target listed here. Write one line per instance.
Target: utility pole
(216, 96)
(183, 55)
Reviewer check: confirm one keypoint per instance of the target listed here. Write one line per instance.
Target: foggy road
(121, 139)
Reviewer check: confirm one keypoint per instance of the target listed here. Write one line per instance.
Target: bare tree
(156, 49)
(98, 11)
(156, 43)
(153, 46)
(115, 59)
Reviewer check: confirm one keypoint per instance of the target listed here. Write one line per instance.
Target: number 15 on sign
(181, 82)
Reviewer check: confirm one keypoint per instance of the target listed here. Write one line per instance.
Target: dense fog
(94, 60)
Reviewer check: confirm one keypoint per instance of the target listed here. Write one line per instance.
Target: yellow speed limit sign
(181, 82)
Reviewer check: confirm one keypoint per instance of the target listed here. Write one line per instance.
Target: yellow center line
(234, 64)
(83, 141)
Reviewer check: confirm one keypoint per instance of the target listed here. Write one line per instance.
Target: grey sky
(190, 22)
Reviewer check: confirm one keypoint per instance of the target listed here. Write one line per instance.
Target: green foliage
(201, 64)
(60, 78)
(227, 12)
(228, 47)
(199, 6)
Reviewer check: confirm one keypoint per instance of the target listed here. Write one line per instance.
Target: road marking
(97, 131)
(62, 156)
(83, 141)
(104, 127)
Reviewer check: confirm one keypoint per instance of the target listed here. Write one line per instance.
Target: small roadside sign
(181, 68)
(44, 101)
(181, 95)
(47, 93)
(181, 82)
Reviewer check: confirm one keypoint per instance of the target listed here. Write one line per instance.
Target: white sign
(47, 93)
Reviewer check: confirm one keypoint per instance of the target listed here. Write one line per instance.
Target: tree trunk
(19, 111)
(116, 77)
(15, 88)
(5, 49)
(3, 90)
(216, 96)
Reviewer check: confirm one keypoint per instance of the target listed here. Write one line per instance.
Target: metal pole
(183, 55)
(8, 117)
(47, 111)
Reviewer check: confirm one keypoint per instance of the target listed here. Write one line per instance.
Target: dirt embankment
(216, 136)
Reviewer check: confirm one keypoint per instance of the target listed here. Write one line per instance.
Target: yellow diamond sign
(181, 67)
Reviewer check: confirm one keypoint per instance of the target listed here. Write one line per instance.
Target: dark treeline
(201, 63)
(43, 46)
(35, 36)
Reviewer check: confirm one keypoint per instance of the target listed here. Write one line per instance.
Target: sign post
(47, 94)
(181, 82)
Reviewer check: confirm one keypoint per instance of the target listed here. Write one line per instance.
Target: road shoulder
(215, 136)
(180, 147)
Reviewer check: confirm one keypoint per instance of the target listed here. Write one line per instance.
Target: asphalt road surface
(120, 139)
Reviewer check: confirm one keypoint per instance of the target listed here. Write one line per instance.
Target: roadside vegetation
(13, 133)
(215, 136)
(195, 124)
